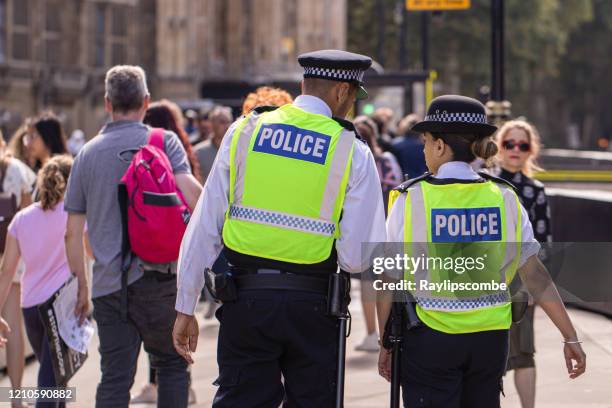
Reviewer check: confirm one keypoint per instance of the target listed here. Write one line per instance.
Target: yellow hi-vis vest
(288, 175)
(467, 236)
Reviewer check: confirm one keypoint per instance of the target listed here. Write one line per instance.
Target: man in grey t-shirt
(92, 197)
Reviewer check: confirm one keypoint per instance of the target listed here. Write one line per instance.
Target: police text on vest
(465, 224)
(292, 142)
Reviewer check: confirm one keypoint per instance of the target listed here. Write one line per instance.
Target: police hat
(336, 65)
(455, 114)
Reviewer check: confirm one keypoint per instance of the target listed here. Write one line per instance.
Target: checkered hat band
(457, 117)
(335, 74)
(458, 305)
(282, 220)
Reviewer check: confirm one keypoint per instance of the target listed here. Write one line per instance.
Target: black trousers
(440, 370)
(151, 316)
(276, 345)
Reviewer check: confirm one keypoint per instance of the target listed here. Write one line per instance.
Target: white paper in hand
(75, 336)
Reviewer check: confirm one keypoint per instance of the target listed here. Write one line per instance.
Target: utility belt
(224, 287)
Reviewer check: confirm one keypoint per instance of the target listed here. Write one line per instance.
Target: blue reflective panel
(292, 142)
(465, 224)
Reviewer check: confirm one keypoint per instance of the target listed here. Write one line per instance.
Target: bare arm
(190, 188)
(26, 199)
(8, 267)
(75, 253)
(540, 285)
(87, 244)
(542, 288)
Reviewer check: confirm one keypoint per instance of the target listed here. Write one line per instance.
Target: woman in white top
(17, 180)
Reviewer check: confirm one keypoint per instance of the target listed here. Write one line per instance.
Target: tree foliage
(556, 55)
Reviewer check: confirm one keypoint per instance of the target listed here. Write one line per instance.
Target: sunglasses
(510, 145)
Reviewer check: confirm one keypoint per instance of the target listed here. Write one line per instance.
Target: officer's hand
(4, 328)
(384, 363)
(185, 335)
(574, 352)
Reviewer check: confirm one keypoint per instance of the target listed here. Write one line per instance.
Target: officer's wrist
(381, 345)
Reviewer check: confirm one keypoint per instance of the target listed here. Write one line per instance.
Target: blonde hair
(16, 148)
(533, 136)
(53, 179)
(266, 96)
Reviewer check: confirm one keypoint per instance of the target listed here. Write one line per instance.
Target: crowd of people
(58, 196)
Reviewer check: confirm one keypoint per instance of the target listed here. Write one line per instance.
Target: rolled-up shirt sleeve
(202, 242)
(529, 245)
(363, 217)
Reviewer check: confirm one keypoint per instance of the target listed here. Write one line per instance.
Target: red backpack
(157, 214)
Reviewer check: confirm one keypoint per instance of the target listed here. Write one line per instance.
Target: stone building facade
(54, 53)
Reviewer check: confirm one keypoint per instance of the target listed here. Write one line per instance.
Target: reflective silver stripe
(344, 146)
(282, 220)
(419, 233)
(459, 305)
(242, 147)
(511, 214)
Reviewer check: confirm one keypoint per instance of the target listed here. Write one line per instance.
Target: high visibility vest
(467, 234)
(288, 175)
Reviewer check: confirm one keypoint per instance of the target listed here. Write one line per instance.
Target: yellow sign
(437, 5)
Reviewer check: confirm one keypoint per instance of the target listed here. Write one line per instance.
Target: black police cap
(336, 65)
(455, 114)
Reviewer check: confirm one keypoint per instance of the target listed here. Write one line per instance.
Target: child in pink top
(40, 235)
(36, 234)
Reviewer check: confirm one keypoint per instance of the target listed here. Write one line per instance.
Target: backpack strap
(3, 169)
(156, 138)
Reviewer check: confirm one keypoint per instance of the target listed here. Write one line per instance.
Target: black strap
(283, 282)
(498, 180)
(161, 200)
(3, 169)
(409, 183)
(126, 258)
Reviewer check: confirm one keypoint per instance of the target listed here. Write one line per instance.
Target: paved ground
(365, 389)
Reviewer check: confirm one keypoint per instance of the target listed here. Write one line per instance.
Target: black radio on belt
(338, 294)
(222, 286)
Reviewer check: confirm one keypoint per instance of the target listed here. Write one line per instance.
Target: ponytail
(53, 180)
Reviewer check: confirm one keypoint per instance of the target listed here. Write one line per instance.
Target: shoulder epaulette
(267, 108)
(348, 125)
(409, 183)
(498, 180)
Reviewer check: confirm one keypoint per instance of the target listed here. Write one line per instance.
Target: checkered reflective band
(458, 305)
(282, 220)
(465, 117)
(334, 74)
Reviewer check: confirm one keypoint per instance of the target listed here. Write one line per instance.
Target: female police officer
(471, 235)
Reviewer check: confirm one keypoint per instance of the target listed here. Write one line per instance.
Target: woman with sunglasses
(519, 147)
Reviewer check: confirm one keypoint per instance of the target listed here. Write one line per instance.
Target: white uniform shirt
(463, 171)
(363, 217)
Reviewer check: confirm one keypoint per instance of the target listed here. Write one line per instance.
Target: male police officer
(292, 195)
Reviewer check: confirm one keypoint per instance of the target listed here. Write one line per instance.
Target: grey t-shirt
(206, 152)
(92, 190)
